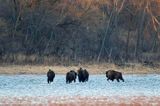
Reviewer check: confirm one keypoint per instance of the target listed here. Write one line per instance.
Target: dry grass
(93, 69)
(82, 101)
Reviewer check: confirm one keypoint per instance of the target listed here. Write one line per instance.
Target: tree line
(41, 31)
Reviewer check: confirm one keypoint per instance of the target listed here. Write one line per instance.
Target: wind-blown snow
(36, 85)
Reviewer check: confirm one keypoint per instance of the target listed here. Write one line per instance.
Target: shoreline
(92, 68)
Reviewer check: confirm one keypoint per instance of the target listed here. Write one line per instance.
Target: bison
(83, 75)
(112, 74)
(71, 76)
(50, 75)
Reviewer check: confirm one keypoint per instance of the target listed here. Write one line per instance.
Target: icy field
(36, 85)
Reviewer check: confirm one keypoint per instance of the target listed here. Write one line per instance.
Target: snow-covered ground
(34, 89)
(36, 85)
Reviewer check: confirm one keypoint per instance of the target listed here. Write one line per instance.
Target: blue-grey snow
(36, 85)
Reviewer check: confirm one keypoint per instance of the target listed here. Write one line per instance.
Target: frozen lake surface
(36, 85)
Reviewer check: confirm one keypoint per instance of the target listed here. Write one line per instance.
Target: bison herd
(83, 75)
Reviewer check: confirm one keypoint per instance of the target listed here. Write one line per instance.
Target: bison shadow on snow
(71, 76)
(83, 75)
(111, 75)
(50, 75)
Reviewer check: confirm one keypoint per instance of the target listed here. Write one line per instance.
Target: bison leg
(67, 81)
(117, 80)
(48, 80)
(122, 79)
(51, 80)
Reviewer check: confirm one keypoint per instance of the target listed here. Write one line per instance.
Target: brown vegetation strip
(92, 68)
(81, 101)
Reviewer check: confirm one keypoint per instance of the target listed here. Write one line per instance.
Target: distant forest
(79, 31)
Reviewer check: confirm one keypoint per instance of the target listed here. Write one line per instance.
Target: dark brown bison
(71, 76)
(83, 75)
(111, 75)
(50, 75)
